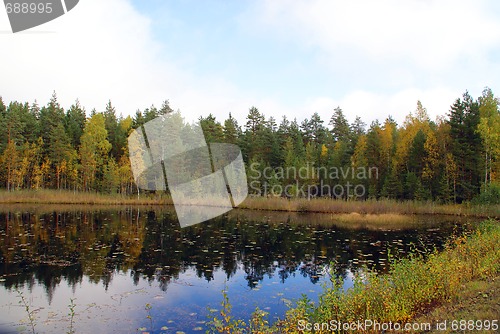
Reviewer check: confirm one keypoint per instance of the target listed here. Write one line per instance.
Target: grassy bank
(47, 196)
(413, 287)
(317, 205)
(374, 207)
(477, 300)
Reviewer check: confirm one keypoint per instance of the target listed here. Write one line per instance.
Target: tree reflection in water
(44, 247)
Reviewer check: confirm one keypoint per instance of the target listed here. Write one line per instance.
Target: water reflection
(125, 249)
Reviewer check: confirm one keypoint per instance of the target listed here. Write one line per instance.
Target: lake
(120, 265)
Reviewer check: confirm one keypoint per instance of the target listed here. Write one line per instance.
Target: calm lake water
(114, 261)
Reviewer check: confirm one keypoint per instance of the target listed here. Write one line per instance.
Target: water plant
(31, 312)
(224, 322)
(148, 309)
(71, 315)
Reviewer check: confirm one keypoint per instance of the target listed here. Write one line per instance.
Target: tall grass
(47, 196)
(385, 206)
(413, 286)
(315, 205)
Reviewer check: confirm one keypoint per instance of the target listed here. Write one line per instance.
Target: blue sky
(293, 57)
(212, 38)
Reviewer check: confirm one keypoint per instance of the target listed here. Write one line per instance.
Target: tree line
(454, 158)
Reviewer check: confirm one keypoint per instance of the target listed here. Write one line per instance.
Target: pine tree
(165, 108)
(464, 119)
(138, 120)
(50, 117)
(12, 124)
(116, 137)
(74, 122)
(212, 129)
(231, 130)
(340, 126)
(3, 108)
(431, 164)
(255, 121)
(273, 155)
(291, 160)
(416, 154)
(306, 130)
(254, 130)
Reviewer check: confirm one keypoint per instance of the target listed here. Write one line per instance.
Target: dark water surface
(114, 261)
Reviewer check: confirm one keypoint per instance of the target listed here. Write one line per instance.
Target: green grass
(413, 287)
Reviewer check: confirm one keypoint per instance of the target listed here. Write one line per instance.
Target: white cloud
(427, 33)
(386, 55)
(105, 50)
(100, 51)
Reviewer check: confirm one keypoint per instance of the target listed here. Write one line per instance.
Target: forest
(453, 159)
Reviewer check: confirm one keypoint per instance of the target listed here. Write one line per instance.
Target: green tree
(340, 125)
(231, 130)
(74, 122)
(431, 164)
(270, 144)
(138, 119)
(50, 117)
(3, 108)
(373, 150)
(56, 143)
(60, 153)
(17, 124)
(111, 176)
(318, 130)
(212, 129)
(416, 154)
(255, 121)
(291, 161)
(466, 143)
(252, 139)
(116, 137)
(165, 108)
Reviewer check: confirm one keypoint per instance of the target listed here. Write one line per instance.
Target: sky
(293, 58)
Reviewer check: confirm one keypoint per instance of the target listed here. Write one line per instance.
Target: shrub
(490, 195)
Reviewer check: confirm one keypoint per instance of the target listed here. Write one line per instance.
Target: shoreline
(276, 204)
